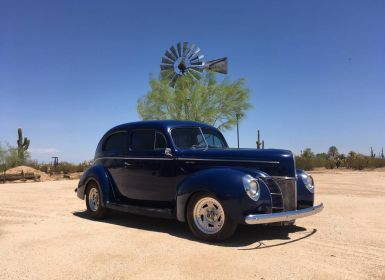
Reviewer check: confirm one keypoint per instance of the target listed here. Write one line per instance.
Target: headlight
(251, 186)
(308, 181)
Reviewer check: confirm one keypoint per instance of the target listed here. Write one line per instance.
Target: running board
(144, 211)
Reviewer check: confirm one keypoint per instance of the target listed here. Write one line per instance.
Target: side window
(143, 139)
(116, 143)
(160, 141)
(213, 140)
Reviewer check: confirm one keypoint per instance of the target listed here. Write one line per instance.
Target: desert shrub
(308, 161)
(376, 162)
(358, 163)
(67, 167)
(304, 163)
(34, 164)
(63, 167)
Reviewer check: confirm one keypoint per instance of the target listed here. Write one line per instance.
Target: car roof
(159, 124)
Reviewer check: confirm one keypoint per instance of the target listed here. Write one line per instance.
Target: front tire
(208, 220)
(93, 202)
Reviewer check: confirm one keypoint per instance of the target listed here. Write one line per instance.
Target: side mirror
(168, 152)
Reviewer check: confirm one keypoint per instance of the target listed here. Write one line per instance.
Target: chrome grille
(288, 187)
(276, 196)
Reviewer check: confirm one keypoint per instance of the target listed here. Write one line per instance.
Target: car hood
(274, 162)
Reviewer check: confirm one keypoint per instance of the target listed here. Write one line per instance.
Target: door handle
(126, 164)
(189, 162)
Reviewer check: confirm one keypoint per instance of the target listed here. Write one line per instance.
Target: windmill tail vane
(217, 65)
(186, 59)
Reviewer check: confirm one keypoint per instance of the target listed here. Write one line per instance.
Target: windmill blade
(195, 56)
(173, 80)
(199, 69)
(170, 56)
(167, 61)
(164, 67)
(179, 47)
(173, 50)
(200, 63)
(197, 59)
(188, 74)
(195, 52)
(185, 49)
(191, 50)
(199, 56)
(195, 73)
(217, 65)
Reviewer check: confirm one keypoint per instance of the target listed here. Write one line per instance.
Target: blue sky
(70, 70)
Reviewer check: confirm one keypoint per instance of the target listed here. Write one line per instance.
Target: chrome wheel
(208, 215)
(93, 199)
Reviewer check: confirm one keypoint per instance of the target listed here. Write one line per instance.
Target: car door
(114, 150)
(149, 172)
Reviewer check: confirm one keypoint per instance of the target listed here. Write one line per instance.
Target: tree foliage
(333, 151)
(206, 100)
(9, 157)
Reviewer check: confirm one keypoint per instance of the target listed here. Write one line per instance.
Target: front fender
(305, 198)
(100, 175)
(226, 184)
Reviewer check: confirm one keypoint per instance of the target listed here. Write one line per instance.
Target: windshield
(197, 138)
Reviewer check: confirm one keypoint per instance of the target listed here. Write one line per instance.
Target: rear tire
(207, 219)
(93, 202)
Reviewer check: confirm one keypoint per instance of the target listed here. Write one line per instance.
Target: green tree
(333, 152)
(332, 160)
(207, 100)
(307, 153)
(352, 154)
(9, 157)
(306, 159)
(14, 159)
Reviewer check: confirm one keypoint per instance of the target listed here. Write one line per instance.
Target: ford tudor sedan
(186, 171)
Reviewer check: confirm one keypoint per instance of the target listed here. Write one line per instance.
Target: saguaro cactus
(259, 142)
(372, 154)
(22, 144)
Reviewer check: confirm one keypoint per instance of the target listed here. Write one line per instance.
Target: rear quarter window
(116, 143)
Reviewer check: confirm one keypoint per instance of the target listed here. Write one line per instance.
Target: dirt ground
(46, 234)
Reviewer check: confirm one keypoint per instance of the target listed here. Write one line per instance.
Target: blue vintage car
(186, 171)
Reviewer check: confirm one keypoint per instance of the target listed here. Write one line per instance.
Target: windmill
(186, 59)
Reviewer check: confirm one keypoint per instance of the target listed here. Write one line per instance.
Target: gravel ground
(46, 234)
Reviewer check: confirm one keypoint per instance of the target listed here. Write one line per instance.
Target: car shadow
(250, 236)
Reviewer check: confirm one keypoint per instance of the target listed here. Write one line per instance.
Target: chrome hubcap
(93, 199)
(209, 216)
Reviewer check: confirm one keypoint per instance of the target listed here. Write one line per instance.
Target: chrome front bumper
(282, 216)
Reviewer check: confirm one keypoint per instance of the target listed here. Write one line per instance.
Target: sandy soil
(46, 234)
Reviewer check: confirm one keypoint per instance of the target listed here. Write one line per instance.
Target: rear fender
(100, 175)
(225, 184)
